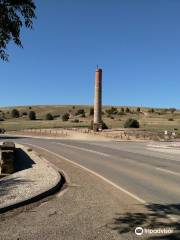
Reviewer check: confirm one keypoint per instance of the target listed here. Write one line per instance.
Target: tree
(49, 116)
(122, 109)
(15, 113)
(138, 109)
(127, 110)
(14, 14)
(32, 115)
(151, 110)
(65, 117)
(79, 112)
(112, 110)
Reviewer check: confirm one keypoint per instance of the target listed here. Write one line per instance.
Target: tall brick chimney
(98, 101)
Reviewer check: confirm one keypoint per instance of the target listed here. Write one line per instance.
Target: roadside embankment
(87, 134)
(35, 178)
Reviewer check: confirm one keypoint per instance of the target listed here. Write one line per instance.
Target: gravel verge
(38, 180)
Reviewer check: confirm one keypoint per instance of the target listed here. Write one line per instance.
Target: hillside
(155, 120)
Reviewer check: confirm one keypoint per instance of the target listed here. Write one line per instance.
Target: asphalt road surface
(137, 174)
(151, 177)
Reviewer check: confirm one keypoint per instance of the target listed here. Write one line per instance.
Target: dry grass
(148, 121)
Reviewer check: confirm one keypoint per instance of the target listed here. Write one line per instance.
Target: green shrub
(151, 110)
(122, 109)
(49, 116)
(24, 113)
(79, 112)
(112, 110)
(65, 117)
(15, 113)
(127, 110)
(121, 113)
(76, 121)
(138, 109)
(91, 111)
(32, 115)
(104, 125)
(131, 123)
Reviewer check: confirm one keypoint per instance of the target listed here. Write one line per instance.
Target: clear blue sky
(136, 42)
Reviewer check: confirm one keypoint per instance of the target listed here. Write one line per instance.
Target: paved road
(152, 177)
(137, 174)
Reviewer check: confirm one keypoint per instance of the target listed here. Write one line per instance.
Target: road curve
(133, 186)
(148, 177)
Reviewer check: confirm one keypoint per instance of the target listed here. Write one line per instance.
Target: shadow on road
(22, 160)
(163, 216)
(5, 137)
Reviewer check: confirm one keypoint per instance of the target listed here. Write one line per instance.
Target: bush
(112, 110)
(138, 109)
(15, 113)
(121, 113)
(91, 111)
(122, 110)
(32, 115)
(131, 123)
(75, 121)
(172, 110)
(24, 113)
(170, 119)
(83, 115)
(127, 110)
(104, 125)
(49, 116)
(65, 117)
(151, 110)
(79, 112)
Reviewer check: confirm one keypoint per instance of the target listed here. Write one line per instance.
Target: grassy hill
(158, 119)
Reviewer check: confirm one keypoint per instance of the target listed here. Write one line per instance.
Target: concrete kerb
(33, 184)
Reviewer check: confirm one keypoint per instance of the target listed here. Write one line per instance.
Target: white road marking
(92, 172)
(168, 171)
(169, 151)
(82, 149)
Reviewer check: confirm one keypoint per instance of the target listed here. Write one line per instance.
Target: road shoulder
(39, 179)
